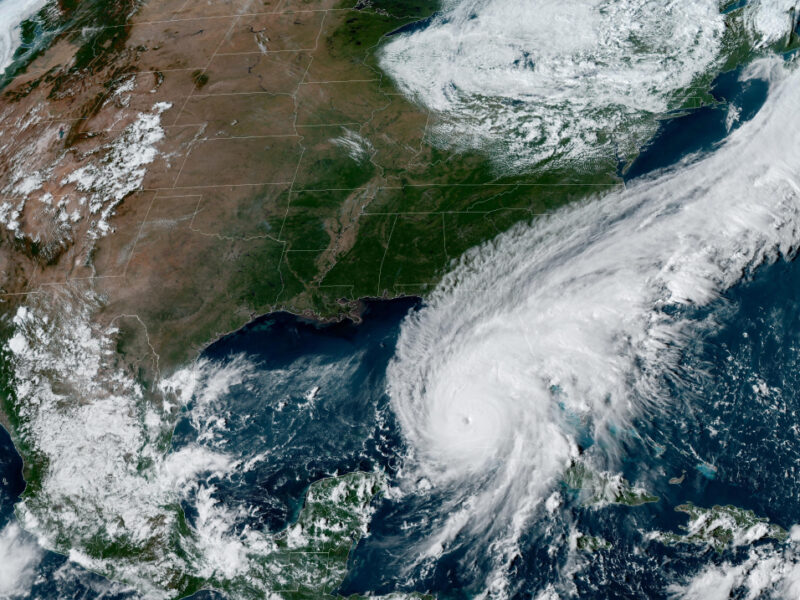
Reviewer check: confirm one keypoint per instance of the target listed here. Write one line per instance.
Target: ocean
(311, 401)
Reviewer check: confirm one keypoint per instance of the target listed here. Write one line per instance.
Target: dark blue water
(295, 441)
(735, 405)
(730, 423)
(734, 446)
(414, 26)
(56, 577)
(11, 482)
(731, 426)
(700, 130)
(743, 407)
(734, 6)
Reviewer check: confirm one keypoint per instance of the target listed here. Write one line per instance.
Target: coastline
(341, 327)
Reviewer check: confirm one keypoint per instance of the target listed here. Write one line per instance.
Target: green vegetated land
(310, 561)
(722, 526)
(97, 28)
(390, 223)
(374, 210)
(385, 219)
(594, 488)
(589, 543)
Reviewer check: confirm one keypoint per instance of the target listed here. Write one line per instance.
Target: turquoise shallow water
(314, 404)
(346, 425)
(734, 445)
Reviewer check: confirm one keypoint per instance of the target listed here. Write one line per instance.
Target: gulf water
(315, 405)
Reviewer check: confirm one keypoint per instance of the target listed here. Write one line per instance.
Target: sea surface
(700, 130)
(315, 404)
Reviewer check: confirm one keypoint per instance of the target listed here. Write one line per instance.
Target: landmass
(599, 488)
(720, 527)
(168, 171)
(678, 480)
(589, 543)
(150, 516)
(310, 559)
(200, 164)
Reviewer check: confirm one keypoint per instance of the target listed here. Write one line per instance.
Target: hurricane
(551, 338)
(598, 398)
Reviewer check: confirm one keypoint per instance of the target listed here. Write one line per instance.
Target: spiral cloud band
(573, 322)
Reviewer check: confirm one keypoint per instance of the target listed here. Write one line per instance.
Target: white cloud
(768, 571)
(574, 320)
(12, 14)
(532, 79)
(769, 19)
(19, 557)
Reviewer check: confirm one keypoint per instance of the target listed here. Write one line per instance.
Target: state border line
(7, 197)
(208, 18)
(379, 188)
(235, 19)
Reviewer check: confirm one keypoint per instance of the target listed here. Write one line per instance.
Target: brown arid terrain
(213, 161)
(173, 169)
(234, 158)
(153, 177)
(230, 159)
